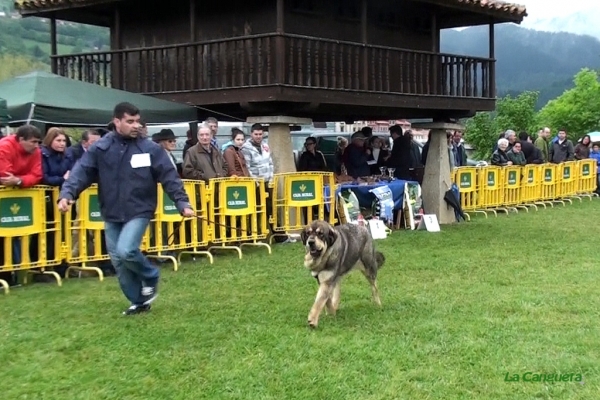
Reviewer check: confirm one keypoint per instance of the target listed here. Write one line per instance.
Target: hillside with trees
(528, 60)
(29, 38)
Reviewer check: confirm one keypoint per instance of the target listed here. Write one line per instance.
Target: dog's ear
(332, 236)
(303, 236)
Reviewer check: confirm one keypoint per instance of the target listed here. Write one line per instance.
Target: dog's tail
(380, 258)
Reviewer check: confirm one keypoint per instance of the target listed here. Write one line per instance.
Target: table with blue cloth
(365, 198)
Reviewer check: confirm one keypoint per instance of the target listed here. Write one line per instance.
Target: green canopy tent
(44, 98)
(4, 117)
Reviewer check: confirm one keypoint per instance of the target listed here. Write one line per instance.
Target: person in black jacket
(400, 159)
(312, 159)
(88, 138)
(127, 168)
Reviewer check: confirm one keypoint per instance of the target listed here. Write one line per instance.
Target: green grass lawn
(461, 308)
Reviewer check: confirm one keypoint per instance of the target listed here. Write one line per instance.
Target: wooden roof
(43, 5)
(499, 8)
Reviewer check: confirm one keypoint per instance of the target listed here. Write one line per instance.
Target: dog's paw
(313, 322)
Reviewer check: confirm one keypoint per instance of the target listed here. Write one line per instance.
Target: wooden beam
(193, 38)
(364, 38)
(492, 56)
(116, 61)
(280, 16)
(280, 42)
(46, 9)
(53, 46)
(193, 21)
(364, 23)
(435, 48)
(367, 103)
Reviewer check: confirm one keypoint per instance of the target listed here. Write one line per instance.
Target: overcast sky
(542, 9)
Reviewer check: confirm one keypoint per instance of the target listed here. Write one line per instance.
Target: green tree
(14, 65)
(578, 109)
(516, 113)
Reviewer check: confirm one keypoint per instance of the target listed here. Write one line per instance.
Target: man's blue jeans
(133, 269)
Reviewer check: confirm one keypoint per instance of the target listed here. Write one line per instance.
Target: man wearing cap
(167, 140)
(356, 156)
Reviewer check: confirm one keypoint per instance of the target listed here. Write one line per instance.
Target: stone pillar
(280, 139)
(280, 144)
(436, 180)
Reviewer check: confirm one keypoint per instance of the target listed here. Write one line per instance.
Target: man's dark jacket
(125, 192)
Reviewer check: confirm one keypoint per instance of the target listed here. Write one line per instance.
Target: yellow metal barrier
(301, 197)
(237, 213)
(491, 189)
(467, 180)
(550, 192)
(587, 181)
(511, 196)
(169, 232)
(84, 239)
(30, 237)
(568, 180)
(531, 189)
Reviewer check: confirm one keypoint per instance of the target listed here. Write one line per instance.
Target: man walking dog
(127, 168)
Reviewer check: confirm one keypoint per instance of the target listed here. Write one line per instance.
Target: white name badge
(140, 160)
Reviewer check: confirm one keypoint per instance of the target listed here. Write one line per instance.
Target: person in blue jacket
(127, 168)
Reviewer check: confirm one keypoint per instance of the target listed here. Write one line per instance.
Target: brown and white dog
(333, 252)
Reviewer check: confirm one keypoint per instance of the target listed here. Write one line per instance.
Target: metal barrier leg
(523, 207)
(160, 256)
(196, 252)
(486, 211)
(4, 284)
(257, 244)
(224, 247)
(83, 268)
(44, 272)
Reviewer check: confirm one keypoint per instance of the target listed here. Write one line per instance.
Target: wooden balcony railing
(272, 59)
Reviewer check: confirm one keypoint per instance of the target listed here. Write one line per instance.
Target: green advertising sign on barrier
(585, 170)
(94, 209)
(16, 212)
(466, 180)
(491, 178)
(530, 176)
(169, 208)
(237, 197)
(303, 190)
(512, 177)
(566, 172)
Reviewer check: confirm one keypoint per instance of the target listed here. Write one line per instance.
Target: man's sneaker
(136, 309)
(149, 294)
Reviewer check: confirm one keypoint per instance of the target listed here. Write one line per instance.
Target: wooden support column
(364, 23)
(192, 21)
(116, 69)
(280, 43)
(436, 61)
(53, 47)
(492, 56)
(193, 36)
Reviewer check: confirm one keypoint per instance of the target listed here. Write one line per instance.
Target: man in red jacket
(21, 158)
(20, 166)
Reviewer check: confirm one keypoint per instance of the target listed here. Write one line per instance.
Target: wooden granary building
(328, 60)
(287, 62)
